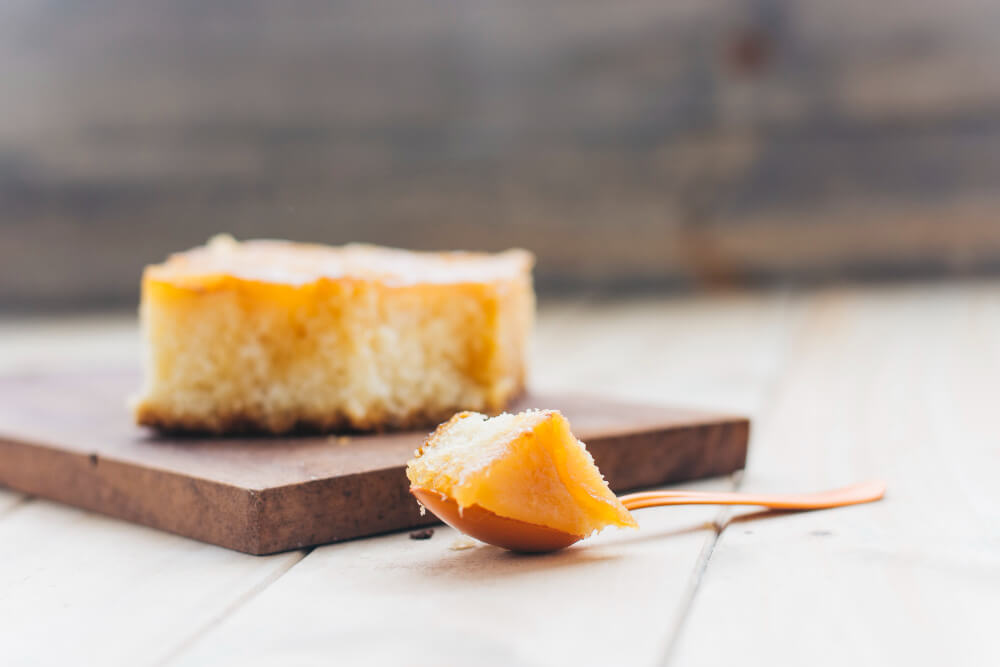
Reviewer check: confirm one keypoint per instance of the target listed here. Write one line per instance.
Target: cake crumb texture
(273, 337)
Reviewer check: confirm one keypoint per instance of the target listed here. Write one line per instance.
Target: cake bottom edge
(168, 420)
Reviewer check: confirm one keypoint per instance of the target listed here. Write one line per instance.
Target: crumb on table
(423, 534)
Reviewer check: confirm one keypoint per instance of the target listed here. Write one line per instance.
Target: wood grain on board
(69, 437)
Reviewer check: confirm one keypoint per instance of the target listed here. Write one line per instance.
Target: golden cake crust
(224, 260)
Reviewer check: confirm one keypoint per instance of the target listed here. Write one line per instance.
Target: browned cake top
(300, 263)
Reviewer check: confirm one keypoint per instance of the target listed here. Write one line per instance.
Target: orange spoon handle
(855, 494)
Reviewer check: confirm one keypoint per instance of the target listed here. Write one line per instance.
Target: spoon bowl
(485, 526)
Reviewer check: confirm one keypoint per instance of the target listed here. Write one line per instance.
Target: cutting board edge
(98, 484)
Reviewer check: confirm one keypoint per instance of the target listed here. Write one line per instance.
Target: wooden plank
(853, 237)
(729, 140)
(69, 437)
(84, 589)
(896, 383)
(393, 600)
(396, 125)
(722, 350)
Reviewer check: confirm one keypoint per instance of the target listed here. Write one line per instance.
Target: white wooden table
(843, 384)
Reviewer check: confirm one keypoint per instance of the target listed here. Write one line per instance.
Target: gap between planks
(196, 636)
(697, 574)
(795, 320)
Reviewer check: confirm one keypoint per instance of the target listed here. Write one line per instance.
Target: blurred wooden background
(629, 144)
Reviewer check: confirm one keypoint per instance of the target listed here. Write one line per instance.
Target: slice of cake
(528, 467)
(273, 336)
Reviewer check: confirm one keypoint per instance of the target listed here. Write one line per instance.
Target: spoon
(485, 526)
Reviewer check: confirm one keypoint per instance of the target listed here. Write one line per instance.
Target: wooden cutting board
(70, 438)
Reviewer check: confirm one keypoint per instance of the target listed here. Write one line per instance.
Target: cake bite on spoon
(524, 482)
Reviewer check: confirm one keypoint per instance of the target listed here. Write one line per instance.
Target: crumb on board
(463, 542)
(422, 534)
